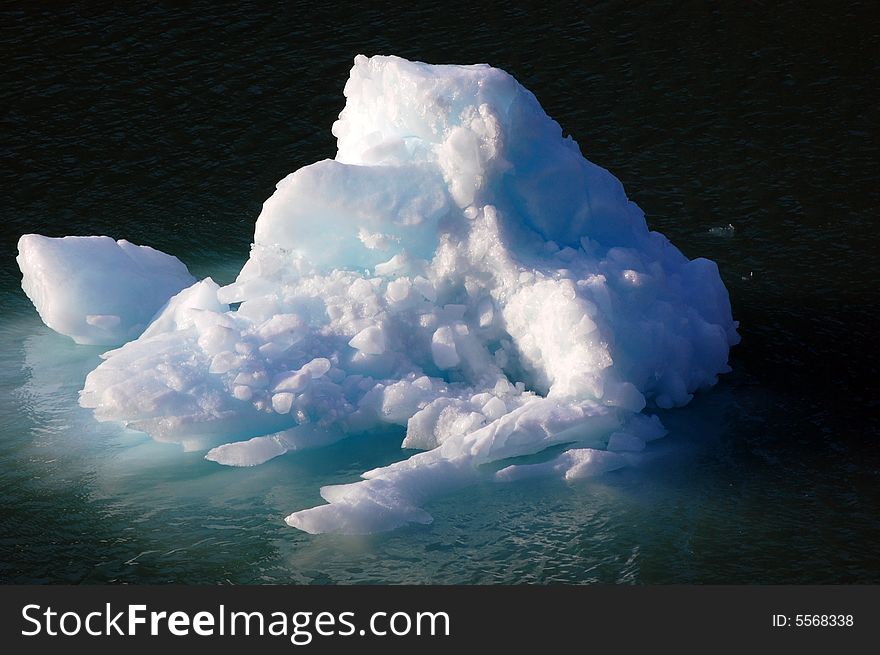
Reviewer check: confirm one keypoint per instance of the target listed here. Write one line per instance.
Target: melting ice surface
(459, 269)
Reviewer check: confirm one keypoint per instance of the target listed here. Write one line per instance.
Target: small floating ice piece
(96, 290)
(723, 231)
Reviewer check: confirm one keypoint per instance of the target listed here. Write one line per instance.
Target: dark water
(170, 127)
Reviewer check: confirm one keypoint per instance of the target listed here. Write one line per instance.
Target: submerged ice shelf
(459, 269)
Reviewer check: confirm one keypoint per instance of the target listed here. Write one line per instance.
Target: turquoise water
(170, 128)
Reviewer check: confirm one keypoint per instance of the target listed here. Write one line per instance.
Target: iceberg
(458, 269)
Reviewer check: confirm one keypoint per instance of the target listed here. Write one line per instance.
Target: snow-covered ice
(459, 269)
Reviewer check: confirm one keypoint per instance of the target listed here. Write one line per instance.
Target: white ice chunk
(242, 392)
(293, 382)
(370, 340)
(443, 348)
(318, 367)
(223, 362)
(494, 408)
(97, 290)
(195, 303)
(249, 453)
(281, 402)
(398, 290)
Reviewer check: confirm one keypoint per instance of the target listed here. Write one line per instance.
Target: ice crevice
(459, 269)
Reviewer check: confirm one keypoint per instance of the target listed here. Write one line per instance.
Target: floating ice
(97, 290)
(459, 269)
(723, 231)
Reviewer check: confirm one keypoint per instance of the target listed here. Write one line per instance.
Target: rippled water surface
(170, 127)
